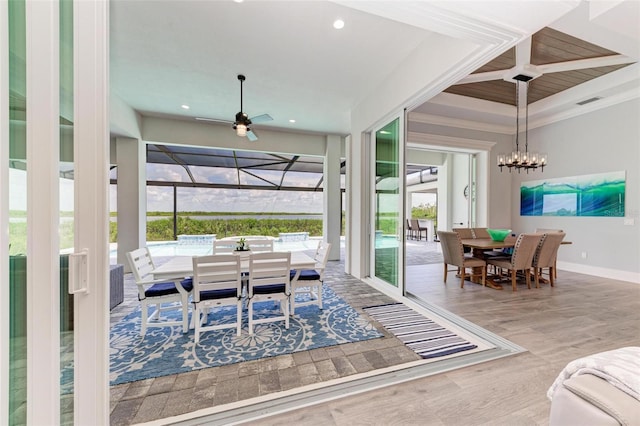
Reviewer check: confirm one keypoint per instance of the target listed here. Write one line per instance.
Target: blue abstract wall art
(599, 194)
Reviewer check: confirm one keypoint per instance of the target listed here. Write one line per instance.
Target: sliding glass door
(54, 343)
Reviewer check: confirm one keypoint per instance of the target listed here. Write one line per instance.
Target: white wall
(205, 134)
(606, 140)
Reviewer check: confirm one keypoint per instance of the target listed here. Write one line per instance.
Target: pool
(204, 246)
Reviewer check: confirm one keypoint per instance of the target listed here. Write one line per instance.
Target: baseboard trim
(614, 274)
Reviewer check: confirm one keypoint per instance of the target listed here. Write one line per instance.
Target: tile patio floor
(176, 394)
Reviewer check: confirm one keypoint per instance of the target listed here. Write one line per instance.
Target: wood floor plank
(580, 316)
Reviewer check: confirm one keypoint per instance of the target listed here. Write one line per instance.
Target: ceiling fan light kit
(242, 123)
(522, 159)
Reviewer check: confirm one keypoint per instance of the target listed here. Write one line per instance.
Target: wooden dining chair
(453, 254)
(546, 255)
(520, 260)
(217, 283)
(165, 295)
(269, 280)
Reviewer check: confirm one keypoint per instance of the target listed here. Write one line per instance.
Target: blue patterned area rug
(422, 335)
(166, 350)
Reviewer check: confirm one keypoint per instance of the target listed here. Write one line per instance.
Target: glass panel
(167, 173)
(260, 177)
(17, 216)
(387, 202)
(66, 226)
(221, 175)
(300, 179)
(160, 213)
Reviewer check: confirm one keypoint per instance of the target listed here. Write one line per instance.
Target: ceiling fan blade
(261, 118)
(214, 120)
(252, 136)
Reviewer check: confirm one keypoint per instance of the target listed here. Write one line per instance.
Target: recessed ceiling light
(238, 1)
(185, 106)
(292, 121)
(338, 24)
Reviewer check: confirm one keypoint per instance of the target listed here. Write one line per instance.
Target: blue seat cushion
(163, 289)
(218, 294)
(305, 275)
(269, 289)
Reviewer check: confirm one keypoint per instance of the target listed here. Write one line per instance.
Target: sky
(160, 198)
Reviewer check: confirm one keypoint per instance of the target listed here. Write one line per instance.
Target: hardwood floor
(581, 315)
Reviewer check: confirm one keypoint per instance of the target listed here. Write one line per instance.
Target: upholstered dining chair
(547, 231)
(453, 254)
(269, 281)
(216, 283)
(520, 260)
(309, 281)
(480, 233)
(159, 292)
(464, 234)
(546, 255)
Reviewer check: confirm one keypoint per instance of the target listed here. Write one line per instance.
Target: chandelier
(522, 159)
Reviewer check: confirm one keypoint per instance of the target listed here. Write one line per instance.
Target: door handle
(79, 272)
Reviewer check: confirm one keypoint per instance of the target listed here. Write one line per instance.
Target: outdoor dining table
(182, 266)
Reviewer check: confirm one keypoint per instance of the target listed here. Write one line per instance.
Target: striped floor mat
(421, 334)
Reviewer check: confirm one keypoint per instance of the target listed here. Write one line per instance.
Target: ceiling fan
(242, 123)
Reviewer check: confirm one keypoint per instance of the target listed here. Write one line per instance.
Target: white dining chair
(269, 281)
(161, 293)
(216, 283)
(308, 282)
(224, 246)
(261, 245)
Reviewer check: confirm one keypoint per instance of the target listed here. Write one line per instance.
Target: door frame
(401, 116)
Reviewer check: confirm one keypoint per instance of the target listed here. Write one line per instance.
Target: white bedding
(620, 367)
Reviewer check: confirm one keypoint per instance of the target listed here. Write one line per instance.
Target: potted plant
(242, 245)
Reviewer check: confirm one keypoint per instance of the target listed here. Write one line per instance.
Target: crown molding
(451, 143)
(438, 120)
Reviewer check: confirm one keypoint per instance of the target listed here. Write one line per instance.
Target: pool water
(173, 248)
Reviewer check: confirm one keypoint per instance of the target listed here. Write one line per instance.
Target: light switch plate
(629, 221)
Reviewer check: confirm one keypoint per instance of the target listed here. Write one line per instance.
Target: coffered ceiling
(553, 60)
(166, 54)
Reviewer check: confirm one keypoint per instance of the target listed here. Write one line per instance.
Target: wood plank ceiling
(548, 46)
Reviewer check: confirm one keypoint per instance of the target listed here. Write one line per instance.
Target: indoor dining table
(182, 266)
(480, 245)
